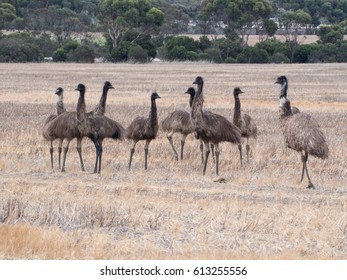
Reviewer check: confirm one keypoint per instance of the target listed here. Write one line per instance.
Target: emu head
(282, 80)
(81, 88)
(190, 91)
(198, 80)
(108, 85)
(154, 96)
(59, 91)
(237, 91)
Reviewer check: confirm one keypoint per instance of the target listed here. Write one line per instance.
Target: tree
(241, 15)
(330, 34)
(7, 14)
(120, 16)
(293, 21)
(270, 27)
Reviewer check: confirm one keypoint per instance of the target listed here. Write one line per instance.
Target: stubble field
(171, 211)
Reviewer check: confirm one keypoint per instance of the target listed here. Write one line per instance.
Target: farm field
(171, 211)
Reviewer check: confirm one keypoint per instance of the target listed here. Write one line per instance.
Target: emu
(301, 131)
(179, 122)
(244, 122)
(47, 125)
(144, 129)
(96, 127)
(212, 128)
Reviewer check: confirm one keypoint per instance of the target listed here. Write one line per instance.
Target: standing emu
(179, 122)
(48, 123)
(301, 131)
(144, 129)
(212, 128)
(96, 127)
(244, 122)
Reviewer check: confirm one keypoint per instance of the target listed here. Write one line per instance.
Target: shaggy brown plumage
(212, 128)
(64, 127)
(179, 122)
(244, 122)
(301, 131)
(96, 127)
(144, 129)
(47, 127)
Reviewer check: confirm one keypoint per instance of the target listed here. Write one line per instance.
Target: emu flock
(301, 131)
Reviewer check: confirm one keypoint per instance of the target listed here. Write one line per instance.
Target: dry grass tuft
(171, 211)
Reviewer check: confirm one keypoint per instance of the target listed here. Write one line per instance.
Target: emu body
(244, 122)
(144, 129)
(96, 127)
(212, 128)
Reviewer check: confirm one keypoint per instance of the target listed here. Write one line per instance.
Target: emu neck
(198, 102)
(101, 108)
(81, 107)
(60, 105)
(284, 89)
(237, 109)
(153, 114)
(285, 108)
(191, 99)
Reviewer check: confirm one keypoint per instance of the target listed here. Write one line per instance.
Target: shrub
(193, 56)
(120, 53)
(138, 54)
(59, 55)
(214, 55)
(230, 60)
(82, 54)
(178, 53)
(279, 58)
(14, 49)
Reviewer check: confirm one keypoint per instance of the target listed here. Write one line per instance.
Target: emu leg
(217, 159)
(212, 151)
(64, 158)
(59, 156)
(183, 140)
(100, 156)
(51, 152)
(146, 152)
(304, 158)
(247, 150)
(169, 137)
(96, 157)
(202, 151)
(59, 151)
(131, 157)
(240, 149)
(207, 153)
(132, 150)
(79, 150)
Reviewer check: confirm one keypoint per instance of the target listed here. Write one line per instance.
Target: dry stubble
(171, 211)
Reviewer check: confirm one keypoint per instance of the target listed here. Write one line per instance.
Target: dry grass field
(171, 211)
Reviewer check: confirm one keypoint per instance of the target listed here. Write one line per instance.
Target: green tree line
(140, 30)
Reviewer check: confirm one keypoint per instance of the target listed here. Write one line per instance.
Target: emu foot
(311, 186)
